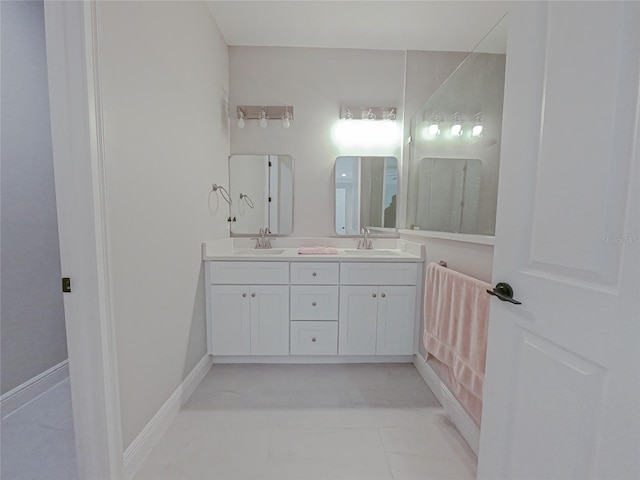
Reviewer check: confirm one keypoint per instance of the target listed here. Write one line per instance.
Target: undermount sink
(370, 253)
(258, 251)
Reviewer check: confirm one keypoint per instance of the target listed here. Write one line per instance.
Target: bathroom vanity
(277, 305)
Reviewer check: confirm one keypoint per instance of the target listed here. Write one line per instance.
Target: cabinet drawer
(249, 273)
(310, 302)
(379, 273)
(306, 273)
(314, 338)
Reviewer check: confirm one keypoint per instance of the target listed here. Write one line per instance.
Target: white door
(396, 320)
(562, 386)
(270, 320)
(230, 320)
(357, 320)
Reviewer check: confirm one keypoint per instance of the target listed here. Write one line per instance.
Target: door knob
(374, 295)
(504, 292)
(253, 294)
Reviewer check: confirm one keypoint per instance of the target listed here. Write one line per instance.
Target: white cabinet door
(270, 320)
(396, 320)
(230, 320)
(357, 320)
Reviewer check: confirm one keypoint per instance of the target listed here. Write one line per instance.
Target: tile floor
(37, 442)
(311, 422)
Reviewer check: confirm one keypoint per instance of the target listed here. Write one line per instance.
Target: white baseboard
(309, 359)
(137, 452)
(460, 418)
(33, 388)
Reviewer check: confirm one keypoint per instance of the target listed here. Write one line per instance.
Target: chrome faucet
(365, 243)
(262, 241)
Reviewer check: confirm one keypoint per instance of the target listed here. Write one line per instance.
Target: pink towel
(456, 311)
(317, 251)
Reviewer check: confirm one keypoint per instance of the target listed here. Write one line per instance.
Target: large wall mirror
(261, 189)
(455, 158)
(366, 189)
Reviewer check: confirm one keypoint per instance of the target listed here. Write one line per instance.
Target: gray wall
(32, 326)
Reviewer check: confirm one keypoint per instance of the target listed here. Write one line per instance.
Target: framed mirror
(365, 194)
(261, 189)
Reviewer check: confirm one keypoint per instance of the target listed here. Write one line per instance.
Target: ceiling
(386, 25)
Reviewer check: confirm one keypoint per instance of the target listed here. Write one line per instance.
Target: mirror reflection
(366, 189)
(261, 188)
(455, 159)
(448, 194)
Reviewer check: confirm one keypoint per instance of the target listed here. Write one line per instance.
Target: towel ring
(247, 200)
(223, 192)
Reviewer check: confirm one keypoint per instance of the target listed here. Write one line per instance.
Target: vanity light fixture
(456, 125)
(476, 130)
(264, 114)
(368, 113)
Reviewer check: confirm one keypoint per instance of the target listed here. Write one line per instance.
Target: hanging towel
(456, 312)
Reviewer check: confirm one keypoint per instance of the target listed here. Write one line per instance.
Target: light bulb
(286, 119)
(476, 131)
(433, 129)
(241, 122)
(263, 119)
(456, 125)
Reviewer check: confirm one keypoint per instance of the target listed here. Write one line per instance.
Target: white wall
(32, 328)
(164, 72)
(316, 82)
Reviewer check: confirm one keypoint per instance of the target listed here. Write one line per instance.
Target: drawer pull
(383, 295)
(253, 294)
(374, 295)
(314, 274)
(244, 295)
(314, 304)
(313, 339)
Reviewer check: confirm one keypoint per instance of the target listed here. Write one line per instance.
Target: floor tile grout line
(386, 456)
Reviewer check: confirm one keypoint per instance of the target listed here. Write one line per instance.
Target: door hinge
(66, 285)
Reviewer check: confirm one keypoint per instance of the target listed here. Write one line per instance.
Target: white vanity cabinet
(295, 307)
(377, 308)
(247, 318)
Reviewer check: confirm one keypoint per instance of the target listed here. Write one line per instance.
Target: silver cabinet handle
(314, 274)
(313, 303)
(313, 339)
(374, 295)
(244, 294)
(383, 295)
(253, 294)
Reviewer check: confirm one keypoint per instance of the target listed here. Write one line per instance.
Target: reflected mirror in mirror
(459, 127)
(449, 194)
(366, 189)
(261, 188)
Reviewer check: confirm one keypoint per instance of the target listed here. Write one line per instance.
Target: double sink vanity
(273, 304)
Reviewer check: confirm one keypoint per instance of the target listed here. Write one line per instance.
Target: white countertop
(286, 249)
